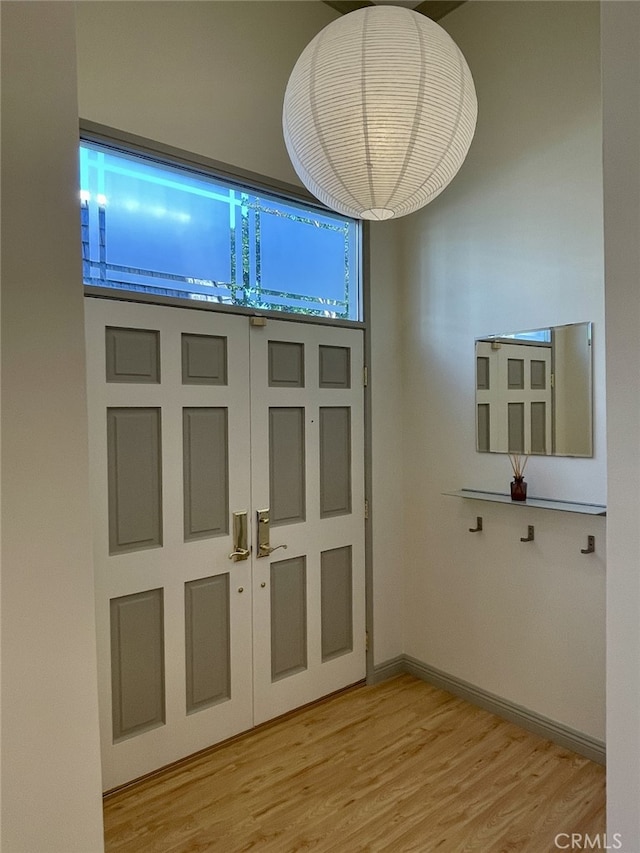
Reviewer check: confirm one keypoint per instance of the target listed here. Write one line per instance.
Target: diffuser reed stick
(518, 464)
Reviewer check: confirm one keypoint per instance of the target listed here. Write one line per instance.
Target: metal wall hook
(530, 534)
(591, 546)
(478, 526)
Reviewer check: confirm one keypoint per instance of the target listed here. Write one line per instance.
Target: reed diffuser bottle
(519, 484)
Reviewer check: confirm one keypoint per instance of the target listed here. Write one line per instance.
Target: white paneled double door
(228, 515)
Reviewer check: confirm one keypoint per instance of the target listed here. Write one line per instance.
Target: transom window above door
(161, 228)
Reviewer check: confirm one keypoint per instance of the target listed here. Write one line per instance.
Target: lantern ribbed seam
(453, 133)
(318, 124)
(414, 128)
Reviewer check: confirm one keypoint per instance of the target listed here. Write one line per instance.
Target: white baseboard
(565, 736)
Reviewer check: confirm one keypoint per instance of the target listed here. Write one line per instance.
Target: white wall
(50, 756)
(209, 77)
(387, 441)
(206, 76)
(621, 85)
(514, 243)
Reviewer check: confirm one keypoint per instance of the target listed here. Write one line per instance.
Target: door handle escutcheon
(264, 547)
(240, 550)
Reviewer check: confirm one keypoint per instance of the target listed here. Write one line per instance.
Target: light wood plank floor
(399, 767)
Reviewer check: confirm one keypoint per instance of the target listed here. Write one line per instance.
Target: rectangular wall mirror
(534, 392)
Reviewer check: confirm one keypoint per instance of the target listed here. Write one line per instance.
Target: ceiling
(434, 9)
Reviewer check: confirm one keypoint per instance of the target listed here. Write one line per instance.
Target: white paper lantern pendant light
(379, 112)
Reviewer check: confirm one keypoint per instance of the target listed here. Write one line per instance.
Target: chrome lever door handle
(264, 546)
(240, 550)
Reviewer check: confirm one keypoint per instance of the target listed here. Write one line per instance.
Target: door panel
(287, 456)
(312, 429)
(335, 460)
(207, 646)
(288, 617)
(198, 422)
(137, 662)
(205, 439)
(134, 461)
(159, 461)
(336, 604)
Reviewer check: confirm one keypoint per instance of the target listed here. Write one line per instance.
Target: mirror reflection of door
(514, 397)
(534, 392)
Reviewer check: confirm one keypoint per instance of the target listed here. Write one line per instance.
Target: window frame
(122, 142)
